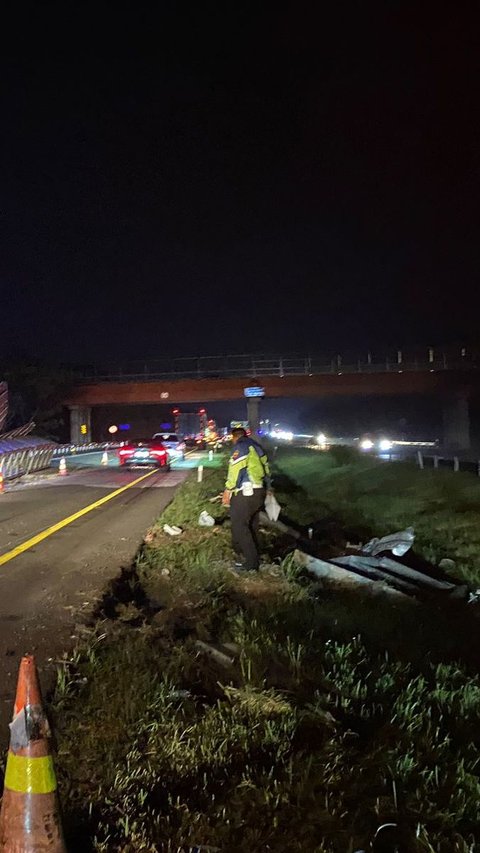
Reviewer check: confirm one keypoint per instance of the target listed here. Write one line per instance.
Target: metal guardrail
(77, 449)
(20, 456)
(25, 460)
(256, 366)
(450, 462)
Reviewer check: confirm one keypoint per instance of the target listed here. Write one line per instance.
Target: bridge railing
(254, 366)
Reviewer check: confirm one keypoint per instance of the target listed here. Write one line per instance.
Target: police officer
(248, 480)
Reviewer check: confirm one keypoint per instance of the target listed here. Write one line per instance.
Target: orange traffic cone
(29, 816)
(62, 468)
(2, 484)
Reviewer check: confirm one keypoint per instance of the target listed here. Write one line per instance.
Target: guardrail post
(435, 461)
(420, 459)
(456, 463)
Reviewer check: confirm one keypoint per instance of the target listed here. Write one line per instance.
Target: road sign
(254, 391)
(83, 429)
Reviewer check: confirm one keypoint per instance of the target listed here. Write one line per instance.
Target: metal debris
(474, 597)
(398, 543)
(216, 654)
(382, 574)
(371, 567)
(279, 525)
(326, 570)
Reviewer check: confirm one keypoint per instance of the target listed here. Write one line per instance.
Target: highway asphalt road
(47, 579)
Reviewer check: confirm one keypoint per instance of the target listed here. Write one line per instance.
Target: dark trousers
(245, 516)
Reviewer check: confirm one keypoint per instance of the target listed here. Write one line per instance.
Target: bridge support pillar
(253, 414)
(80, 424)
(456, 423)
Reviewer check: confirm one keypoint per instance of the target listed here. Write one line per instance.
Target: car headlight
(366, 444)
(385, 444)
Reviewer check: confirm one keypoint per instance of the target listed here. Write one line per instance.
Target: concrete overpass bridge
(451, 376)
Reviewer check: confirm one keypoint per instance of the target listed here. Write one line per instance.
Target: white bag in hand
(272, 507)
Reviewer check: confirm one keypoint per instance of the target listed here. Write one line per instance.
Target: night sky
(209, 178)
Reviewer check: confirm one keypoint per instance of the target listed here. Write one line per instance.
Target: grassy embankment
(335, 712)
(363, 497)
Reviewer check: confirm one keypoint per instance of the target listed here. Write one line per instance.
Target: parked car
(150, 451)
(173, 443)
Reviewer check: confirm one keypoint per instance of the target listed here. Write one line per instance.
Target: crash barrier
(73, 449)
(368, 566)
(452, 463)
(30, 814)
(20, 456)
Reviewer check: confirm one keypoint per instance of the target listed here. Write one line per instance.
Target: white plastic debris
(205, 519)
(172, 529)
(272, 507)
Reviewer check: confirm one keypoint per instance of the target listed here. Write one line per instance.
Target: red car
(146, 452)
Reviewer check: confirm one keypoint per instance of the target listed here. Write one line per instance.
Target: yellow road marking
(30, 543)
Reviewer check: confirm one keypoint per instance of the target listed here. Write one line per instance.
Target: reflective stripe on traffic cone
(62, 468)
(29, 816)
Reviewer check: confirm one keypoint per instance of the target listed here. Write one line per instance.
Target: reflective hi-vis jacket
(248, 462)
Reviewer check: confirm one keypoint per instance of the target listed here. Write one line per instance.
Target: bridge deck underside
(203, 390)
